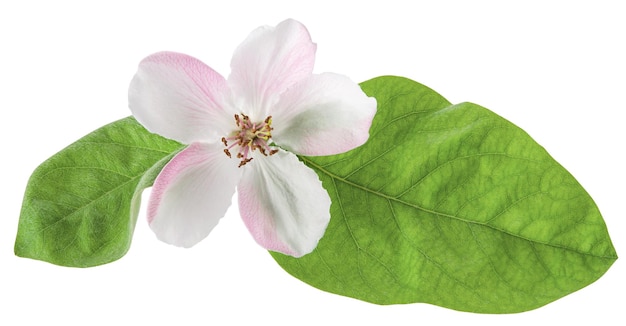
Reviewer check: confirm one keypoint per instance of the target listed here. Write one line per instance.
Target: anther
(249, 137)
(244, 162)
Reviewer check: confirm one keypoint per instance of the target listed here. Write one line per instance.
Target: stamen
(250, 137)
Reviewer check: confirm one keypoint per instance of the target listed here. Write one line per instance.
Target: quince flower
(241, 134)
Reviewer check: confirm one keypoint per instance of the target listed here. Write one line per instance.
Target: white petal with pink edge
(270, 60)
(325, 114)
(179, 97)
(191, 194)
(283, 204)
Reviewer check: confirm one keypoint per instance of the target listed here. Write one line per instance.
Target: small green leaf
(81, 205)
(451, 205)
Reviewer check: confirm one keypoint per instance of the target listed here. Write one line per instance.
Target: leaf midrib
(130, 179)
(397, 200)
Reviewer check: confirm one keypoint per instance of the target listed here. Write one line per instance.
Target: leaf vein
(383, 195)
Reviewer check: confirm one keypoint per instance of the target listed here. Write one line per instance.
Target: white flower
(241, 133)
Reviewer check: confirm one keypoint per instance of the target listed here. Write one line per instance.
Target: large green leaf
(451, 205)
(81, 205)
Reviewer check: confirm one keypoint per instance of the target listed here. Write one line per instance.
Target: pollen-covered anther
(244, 162)
(249, 137)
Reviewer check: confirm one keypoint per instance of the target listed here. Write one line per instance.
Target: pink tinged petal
(325, 114)
(179, 97)
(191, 194)
(283, 204)
(270, 60)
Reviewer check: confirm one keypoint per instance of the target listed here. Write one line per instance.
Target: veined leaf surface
(451, 205)
(81, 205)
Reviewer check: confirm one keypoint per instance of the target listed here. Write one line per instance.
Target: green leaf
(81, 205)
(451, 205)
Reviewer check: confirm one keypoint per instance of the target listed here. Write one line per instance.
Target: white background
(556, 69)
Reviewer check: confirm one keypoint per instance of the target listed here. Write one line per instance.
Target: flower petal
(283, 204)
(325, 114)
(179, 97)
(270, 60)
(191, 194)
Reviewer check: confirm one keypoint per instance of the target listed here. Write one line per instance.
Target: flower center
(250, 137)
